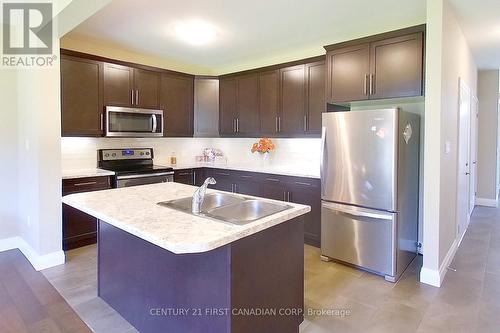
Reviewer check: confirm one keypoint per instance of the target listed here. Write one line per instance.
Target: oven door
(144, 179)
(130, 122)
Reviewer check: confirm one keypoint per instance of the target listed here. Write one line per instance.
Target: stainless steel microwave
(132, 122)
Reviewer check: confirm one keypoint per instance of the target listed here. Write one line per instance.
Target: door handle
(132, 96)
(137, 97)
(237, 125)
(365, 88)
(279, 124)
(276, 124)
(155, 124)
(354, 212)
(101, 119)
(467, 173)
(372, 84)
(288, 196)
(322, 152)
(234, 125)
(305, 123)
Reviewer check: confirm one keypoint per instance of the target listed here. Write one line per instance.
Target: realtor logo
(33, 28)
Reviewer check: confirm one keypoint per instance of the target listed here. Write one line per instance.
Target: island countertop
(135, 210)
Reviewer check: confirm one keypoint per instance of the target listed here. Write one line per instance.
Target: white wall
(448, 58)
(8, 147)
(31, 116)
(487, 182)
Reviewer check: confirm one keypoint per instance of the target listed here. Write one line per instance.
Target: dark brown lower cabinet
(301, 190)
(80, 229)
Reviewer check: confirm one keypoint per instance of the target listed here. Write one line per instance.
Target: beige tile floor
(468, 301)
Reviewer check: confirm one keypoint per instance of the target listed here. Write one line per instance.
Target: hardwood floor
(29, 303)
(468, 301)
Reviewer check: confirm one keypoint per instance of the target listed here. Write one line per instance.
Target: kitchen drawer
(86, 184)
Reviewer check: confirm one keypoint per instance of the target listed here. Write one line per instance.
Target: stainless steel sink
(229, 208)
(247, 211)
(211, 201)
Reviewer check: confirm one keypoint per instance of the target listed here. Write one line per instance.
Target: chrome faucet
(199, 195)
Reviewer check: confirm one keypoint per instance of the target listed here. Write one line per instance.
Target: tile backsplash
(81, 153)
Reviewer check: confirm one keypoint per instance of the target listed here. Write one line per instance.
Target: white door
(463, 189)
(473, 152)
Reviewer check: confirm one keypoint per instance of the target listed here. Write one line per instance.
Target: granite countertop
(82, 173)
(283, 169)
(135, 210)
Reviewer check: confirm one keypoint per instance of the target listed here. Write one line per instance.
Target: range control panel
(125, 154)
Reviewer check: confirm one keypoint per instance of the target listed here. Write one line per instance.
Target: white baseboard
(487, 202)
(38, 261)
(434, 277)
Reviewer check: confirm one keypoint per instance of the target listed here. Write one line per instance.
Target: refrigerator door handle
(355, 212)
(322, 152)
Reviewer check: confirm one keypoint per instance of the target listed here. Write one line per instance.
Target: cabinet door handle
(365, 89)
(132, 96)
(273, 180)
(372, 84)
(101, 119)
(301, 183)
(288, 196)
(276, 124)
(237, 125)
(234, 125)
(194, 177)
(279, 124)
(137, 97)
(222, 174)
(85, 184)
(284, 195)
(305, 123)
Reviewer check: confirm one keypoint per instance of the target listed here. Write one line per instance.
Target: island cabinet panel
(348, 72)
(227, 106)
(269, 102)
(185, 176)
(81, 97)
(247, 118)
(397, 67)
(176, 100)
(216, 288)
(80, 229)
(292, 101)
(118, 85)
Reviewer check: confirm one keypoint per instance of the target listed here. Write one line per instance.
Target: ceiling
(480, 22)
(249, 33)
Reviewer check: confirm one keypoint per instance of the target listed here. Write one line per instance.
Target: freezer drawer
(359, 236)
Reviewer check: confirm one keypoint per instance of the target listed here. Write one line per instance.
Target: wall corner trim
(39, 262)
(487, 202)
(435, 277)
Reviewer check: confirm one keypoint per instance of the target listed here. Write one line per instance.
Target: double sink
(228, 208)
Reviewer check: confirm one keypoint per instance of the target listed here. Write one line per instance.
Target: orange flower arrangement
(265, 145)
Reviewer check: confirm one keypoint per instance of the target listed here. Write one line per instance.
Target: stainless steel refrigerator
(369, 189)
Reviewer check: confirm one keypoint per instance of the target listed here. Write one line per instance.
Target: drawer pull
(85, 184)
(246, 176)
(222, 174)
(184, 173)
(273, 179)
(301, 183)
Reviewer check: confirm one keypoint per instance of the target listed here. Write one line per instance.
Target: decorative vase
(264, 159)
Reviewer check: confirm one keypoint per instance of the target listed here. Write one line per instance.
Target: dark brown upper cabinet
(147, 88)
(348, 73)
(227, 106)
(269, 101)
(118, 85)
(131, 87)
(315, 92)
(247, 105)
(397, 67)
(81, 97)
(176, 101)
(388, 65)
(292, 100)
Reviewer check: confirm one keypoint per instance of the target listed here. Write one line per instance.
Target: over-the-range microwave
(133, 122)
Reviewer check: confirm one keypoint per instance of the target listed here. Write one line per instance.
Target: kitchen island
(165, 270)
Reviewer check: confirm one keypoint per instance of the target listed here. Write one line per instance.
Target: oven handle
(144, 175)
(154, 123)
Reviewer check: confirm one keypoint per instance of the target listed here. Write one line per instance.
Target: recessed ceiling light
(195, 32)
